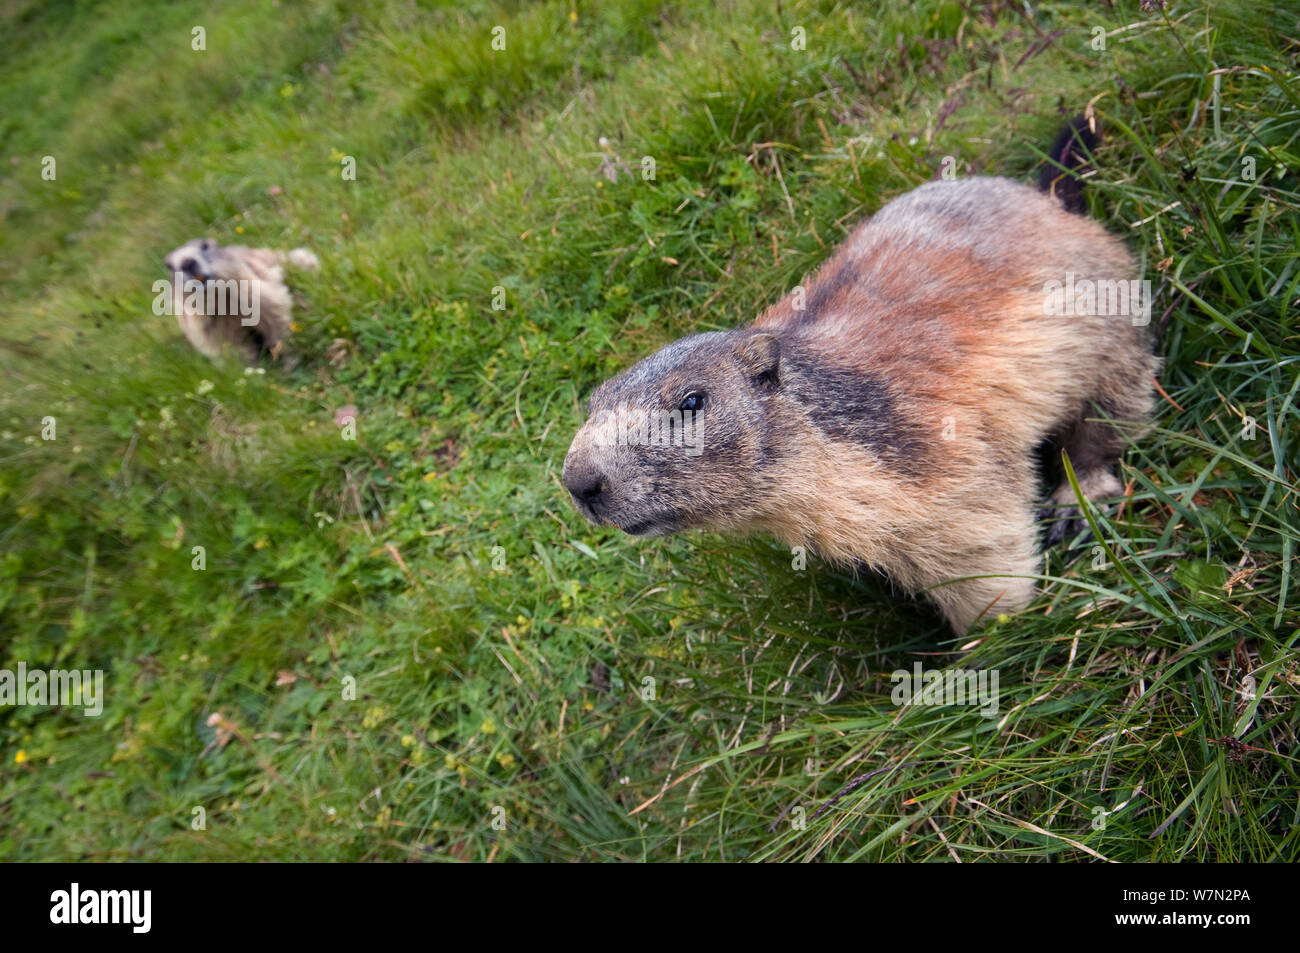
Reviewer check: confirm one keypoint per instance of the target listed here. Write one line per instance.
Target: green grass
(522, 688)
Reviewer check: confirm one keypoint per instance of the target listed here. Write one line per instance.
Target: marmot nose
(188, 265)
(586, 483)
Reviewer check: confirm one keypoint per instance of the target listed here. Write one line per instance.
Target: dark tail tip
(1069, 158)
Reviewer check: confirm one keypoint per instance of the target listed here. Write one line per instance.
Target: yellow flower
(20, 757)
(239, 229)
(488, 727)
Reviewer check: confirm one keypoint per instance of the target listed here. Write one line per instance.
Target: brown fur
(896, 419)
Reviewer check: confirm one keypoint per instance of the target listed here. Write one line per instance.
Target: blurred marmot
(891, 413)
(233, 297)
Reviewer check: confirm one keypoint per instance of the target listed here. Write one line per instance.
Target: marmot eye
(693, 402)
(203, 246)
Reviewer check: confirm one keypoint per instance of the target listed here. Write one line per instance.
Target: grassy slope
(373, 558)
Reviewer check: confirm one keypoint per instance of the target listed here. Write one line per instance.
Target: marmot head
(195, 259)
(683, 439)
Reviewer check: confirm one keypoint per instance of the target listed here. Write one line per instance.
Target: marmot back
(890, 412)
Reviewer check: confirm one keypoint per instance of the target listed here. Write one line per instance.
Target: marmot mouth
(655, 526)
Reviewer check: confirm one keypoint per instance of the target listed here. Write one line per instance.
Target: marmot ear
(760, 355)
